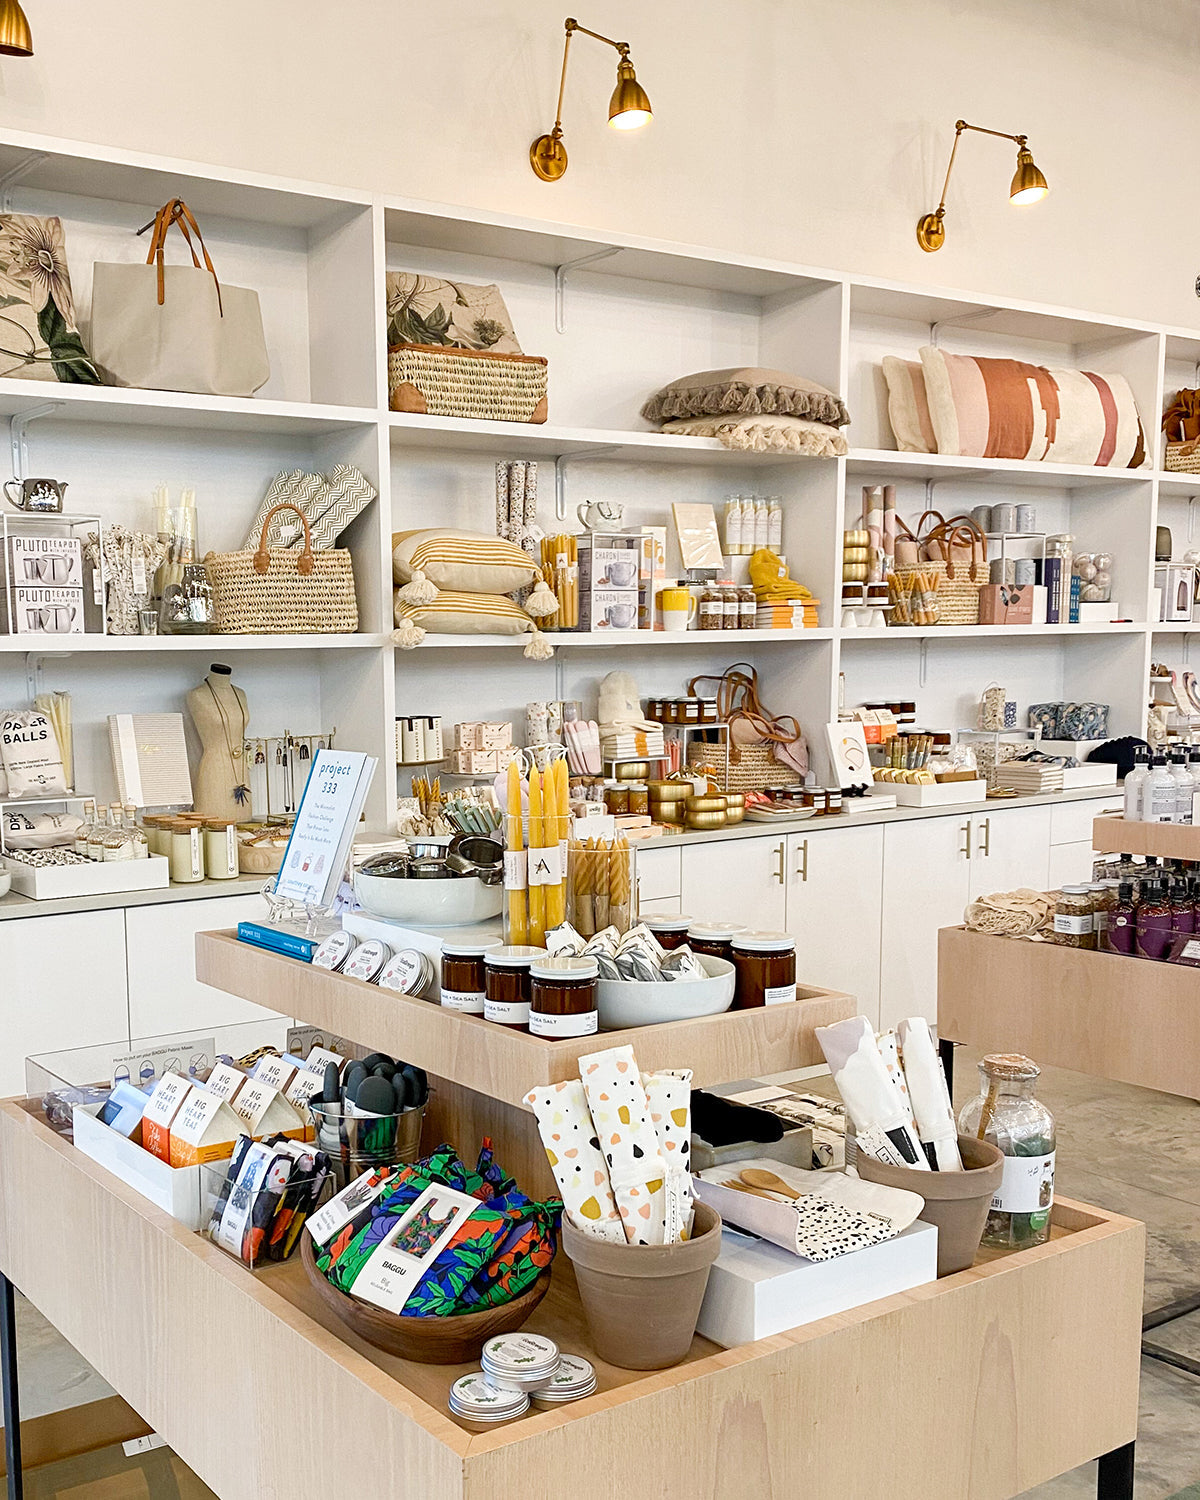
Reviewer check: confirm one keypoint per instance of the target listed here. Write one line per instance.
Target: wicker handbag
(1183, 457)
(740, 768)
(476, 383)
(1181, 423)
(279, 591)
(956, 550)
(750, 757)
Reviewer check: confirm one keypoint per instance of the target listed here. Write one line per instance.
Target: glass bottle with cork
(1007, 1113)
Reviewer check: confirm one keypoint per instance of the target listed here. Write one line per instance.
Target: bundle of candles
(895, 1092)
(535, 891)
(560, 569)
(913, 597)
(601, 885)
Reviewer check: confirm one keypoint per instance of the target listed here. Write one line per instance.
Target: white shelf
(1173, 480)
(883, 463)
(989, 632)
(122, 645)
(1175, 627)
(626, 639)
(542, 440)
(115, 404)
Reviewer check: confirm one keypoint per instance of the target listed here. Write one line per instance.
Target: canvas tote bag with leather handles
(176, 328)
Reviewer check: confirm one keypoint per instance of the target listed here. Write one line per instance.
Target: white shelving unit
(614, 330)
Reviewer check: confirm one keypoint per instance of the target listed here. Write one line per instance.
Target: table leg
(946, 1051)
(8, 1379)
(1114, 1474)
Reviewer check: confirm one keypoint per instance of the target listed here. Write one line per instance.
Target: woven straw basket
(1183, 458)
(466, 383)
(279, 591)
(957, 596)
(740, 768)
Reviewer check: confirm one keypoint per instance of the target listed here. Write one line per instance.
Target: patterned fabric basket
(957, 596)
(466, 383)
(278, 591)
(740, 768)
(1183, 458)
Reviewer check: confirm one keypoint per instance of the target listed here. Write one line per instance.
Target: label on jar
(468, 1001)
(1068, 922)
(544, 866)
(514, 870)
(560, 1026)
(1100, 920)
(1027, 1186)
(507, 1012)
(779, 994)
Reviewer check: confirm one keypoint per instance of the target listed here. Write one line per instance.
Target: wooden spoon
(741, 1187)
(764, 1181)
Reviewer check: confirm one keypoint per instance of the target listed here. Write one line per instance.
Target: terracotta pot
(642, 1301)
(957, 1202)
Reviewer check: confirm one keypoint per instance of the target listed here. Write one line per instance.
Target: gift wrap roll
(881, 1127)
(621, 1114)
(569, 1136)
(669, 1094)
(890, 1052)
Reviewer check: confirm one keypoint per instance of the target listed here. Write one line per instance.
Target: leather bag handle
(262, 558)
(177, 212)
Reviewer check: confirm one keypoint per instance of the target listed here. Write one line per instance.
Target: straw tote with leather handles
(176, 328)
(956, 549)
(279, 591)
(761, 744)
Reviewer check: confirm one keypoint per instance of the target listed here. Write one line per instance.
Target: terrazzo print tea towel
(669, 1094)
(573, 1151)
(621, 1114)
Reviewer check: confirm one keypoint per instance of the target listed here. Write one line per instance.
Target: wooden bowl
(427, 1341)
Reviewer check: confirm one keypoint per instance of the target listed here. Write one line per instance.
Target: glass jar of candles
(507, 984)
(563, 997)
(187, 853)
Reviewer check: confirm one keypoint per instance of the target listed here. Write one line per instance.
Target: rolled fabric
(873, 524)
(669, 1094)
(531, 498)
(871, 1099)
(621, 1113)
(889, 1050)
(502, 502)
(516, 502)
(569, 1137)
(932, 1109)
(889, 526)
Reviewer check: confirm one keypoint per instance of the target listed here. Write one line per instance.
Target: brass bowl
(706, 820)
(631, 770)
(670, 791)
(669, 812)
(715, 803)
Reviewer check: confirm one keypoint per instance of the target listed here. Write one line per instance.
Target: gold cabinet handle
(965, 849)
(802, 867)
(779, 854)
(985, 833)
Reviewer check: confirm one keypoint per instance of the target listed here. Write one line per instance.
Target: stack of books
(788, 614)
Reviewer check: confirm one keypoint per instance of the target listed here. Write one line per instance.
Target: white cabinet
(164, 994)
(926, 885)
(736, 880)
(62, 984)
(658, 873)
(1010, 847)
(1070, 864)
(834, 909)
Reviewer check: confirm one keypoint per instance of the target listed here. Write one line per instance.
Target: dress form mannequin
(220, 714)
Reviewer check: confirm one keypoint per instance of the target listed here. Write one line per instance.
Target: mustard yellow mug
(678, 608)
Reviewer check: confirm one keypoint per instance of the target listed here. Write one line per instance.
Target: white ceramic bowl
(429, 903)
(626, 1002)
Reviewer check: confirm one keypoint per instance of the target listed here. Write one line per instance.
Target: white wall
(816, 133)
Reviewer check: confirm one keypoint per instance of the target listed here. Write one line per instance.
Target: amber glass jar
(670, 932)
(713, 938)
(766, 969)
(507, 984)
(616, 798)
(563, 997)
(463, 985)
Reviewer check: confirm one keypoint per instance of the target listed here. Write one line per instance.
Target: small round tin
(367, 960)
(520, 1361)
(408, 971)
(574, 1379)
(334, 951)
(473, 1398)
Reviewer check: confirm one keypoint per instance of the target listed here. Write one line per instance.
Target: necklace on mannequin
(241, 792)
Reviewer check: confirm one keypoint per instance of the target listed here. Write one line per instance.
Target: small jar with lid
(766, 969)
(187, 853)
(747, 607)
(654, 710)
(714, 939)
(1074, 924)
(711, 609)
(463, 986)
(833, 799)
(638, 797)
(670, 932)
(616, 798)
(563, 997)
(1104, 903)
(709, 713)
(691, 711)
(221, 849)
(731, 605)
(507, 984)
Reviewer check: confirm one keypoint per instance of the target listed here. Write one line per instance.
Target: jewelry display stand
(220, 713)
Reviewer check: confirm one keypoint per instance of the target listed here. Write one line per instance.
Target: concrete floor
(1123, 1148)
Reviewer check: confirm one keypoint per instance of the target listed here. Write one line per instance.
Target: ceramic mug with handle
(621, 616)
(44, 496)
(601, 515)
(678, 608)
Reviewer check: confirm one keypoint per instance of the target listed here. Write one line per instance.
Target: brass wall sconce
(1028, 185)
(15, 37)
(628, 109)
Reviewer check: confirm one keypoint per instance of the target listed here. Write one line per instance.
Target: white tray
(51, 882)
(941, 793)
(178, 1190)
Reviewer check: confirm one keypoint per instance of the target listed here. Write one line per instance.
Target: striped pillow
(1005, 408)
(467, 561)
(466, 614)
(908, 406)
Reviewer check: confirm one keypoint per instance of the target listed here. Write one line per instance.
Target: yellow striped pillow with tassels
(456, 613)
(468, 561)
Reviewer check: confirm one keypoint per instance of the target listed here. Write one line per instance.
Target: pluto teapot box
(48, 561)
(42, 610)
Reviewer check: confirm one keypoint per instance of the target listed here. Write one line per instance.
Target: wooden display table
(1113, 835)
(480, 1072)
(976, 1387)
(1128, 1019)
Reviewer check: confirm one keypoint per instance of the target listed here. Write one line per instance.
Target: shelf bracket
(14, 175)
(17, 428)
(560, 282)
(560, 473)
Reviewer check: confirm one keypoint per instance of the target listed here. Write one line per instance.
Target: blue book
(293, 944)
